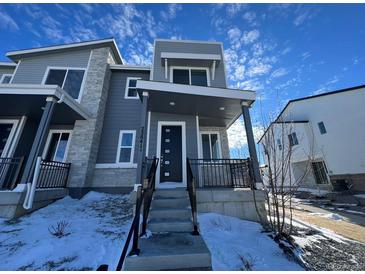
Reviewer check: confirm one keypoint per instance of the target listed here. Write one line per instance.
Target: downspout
(31, 187)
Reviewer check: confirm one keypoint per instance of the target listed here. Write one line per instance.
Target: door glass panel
(61, 149)
(206, 146)
(125, 155)
(73, 82)
(181, 76)
(52, 146)
(214, 145)
(199, 77)
(5, 130)
(56, 77)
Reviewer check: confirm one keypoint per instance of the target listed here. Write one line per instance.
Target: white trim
(190, 69)
(127, 88)
(8, 64)
(4, 75)
(209, 132)
(198, 137)
(188, 41)
(197, 90)
(78, 99)
(153, 61)
(130, 67)
(115, 165)
(67, 46)
(82, 88)
(6, 151)
(224, 65)
(193, 56)
(121, 132)
(16, 138)
(15, 71)
(148, 132)
(49, 137)
(158, 152)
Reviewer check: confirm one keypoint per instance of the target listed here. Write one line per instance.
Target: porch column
(142, 138)
(39, 140)
(251, 143)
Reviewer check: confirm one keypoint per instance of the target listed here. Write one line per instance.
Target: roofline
(309, 97)
(189, 41)
(12, 54)
(7, 64)
(130, 67)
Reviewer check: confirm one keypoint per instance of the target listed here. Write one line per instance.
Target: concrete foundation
(11, 202)
(232, 202)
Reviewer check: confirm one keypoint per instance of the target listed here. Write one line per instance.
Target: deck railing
(53, 174)
(10, 172)
(192, 196)
(221, 173)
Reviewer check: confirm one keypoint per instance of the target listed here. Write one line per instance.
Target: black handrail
(192, 196)
(10, 172)
(144, 196)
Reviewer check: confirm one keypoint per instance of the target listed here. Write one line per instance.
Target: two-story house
(326, 137)
(75, 118)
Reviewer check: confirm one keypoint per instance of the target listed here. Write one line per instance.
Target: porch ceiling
(19, 100)
(214, 106)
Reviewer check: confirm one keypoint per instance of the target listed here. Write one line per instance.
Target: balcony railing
(221, 173)
(10, 172)
(53, 174)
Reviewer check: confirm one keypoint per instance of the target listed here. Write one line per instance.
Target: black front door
(171, 154)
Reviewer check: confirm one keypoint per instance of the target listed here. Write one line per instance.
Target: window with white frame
(320, 172)
(126, 142)
(293, 140)
(131, 88)
(69, 79)
(190, 76)
(57, 145)
(210, 143)
(6, 78)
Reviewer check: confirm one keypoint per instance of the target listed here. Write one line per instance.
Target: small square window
(322, 128)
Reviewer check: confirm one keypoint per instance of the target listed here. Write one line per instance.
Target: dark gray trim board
(79, 192)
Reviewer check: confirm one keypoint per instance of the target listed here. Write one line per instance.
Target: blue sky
(281, 51)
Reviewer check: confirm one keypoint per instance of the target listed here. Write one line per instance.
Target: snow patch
(332, 216)
(236, 243)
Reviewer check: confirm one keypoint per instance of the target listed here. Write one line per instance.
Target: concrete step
(171, 251)
(170, 213)
(171, 193)
(176, 203)
(170, 225)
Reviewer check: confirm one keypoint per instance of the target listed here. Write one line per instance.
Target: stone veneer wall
(223, 137)
(114, 177)
(86, 133)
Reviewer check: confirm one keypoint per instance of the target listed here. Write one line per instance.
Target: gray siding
(31, 70)
(190, 124)
(120, 114)
(4, 70)
(204, 48)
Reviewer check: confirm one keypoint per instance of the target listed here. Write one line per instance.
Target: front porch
(36, 124)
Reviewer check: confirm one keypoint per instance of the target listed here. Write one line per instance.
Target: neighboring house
(327, 136)
(90, 120)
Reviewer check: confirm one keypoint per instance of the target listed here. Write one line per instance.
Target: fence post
(135, 249)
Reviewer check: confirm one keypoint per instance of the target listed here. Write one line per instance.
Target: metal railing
(10, 172)
(222, 173)
(53, 174)
(144, 197)
(192, 196)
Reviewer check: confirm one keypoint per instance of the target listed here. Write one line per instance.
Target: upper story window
(130, 89)
(190, 76)
(69, 79)
(293, 140)
(280, 146)
(210, 145)
(322, 128)
(6, 78)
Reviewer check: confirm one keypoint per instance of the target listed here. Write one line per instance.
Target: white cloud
(7, 22)
(305, 55)
(171, 11)
(250, 36)
(302, 17)
(279, 72)
(250, 17)
(237, 134)
(234, 9)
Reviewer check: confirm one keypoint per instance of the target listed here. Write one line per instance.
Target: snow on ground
(97, 227)
(235, 243)
(332, 216)
(316, 192)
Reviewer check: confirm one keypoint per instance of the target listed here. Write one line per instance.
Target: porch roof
(28, 100)
(214, 106)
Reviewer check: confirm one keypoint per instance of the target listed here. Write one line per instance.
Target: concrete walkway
(171, 245)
